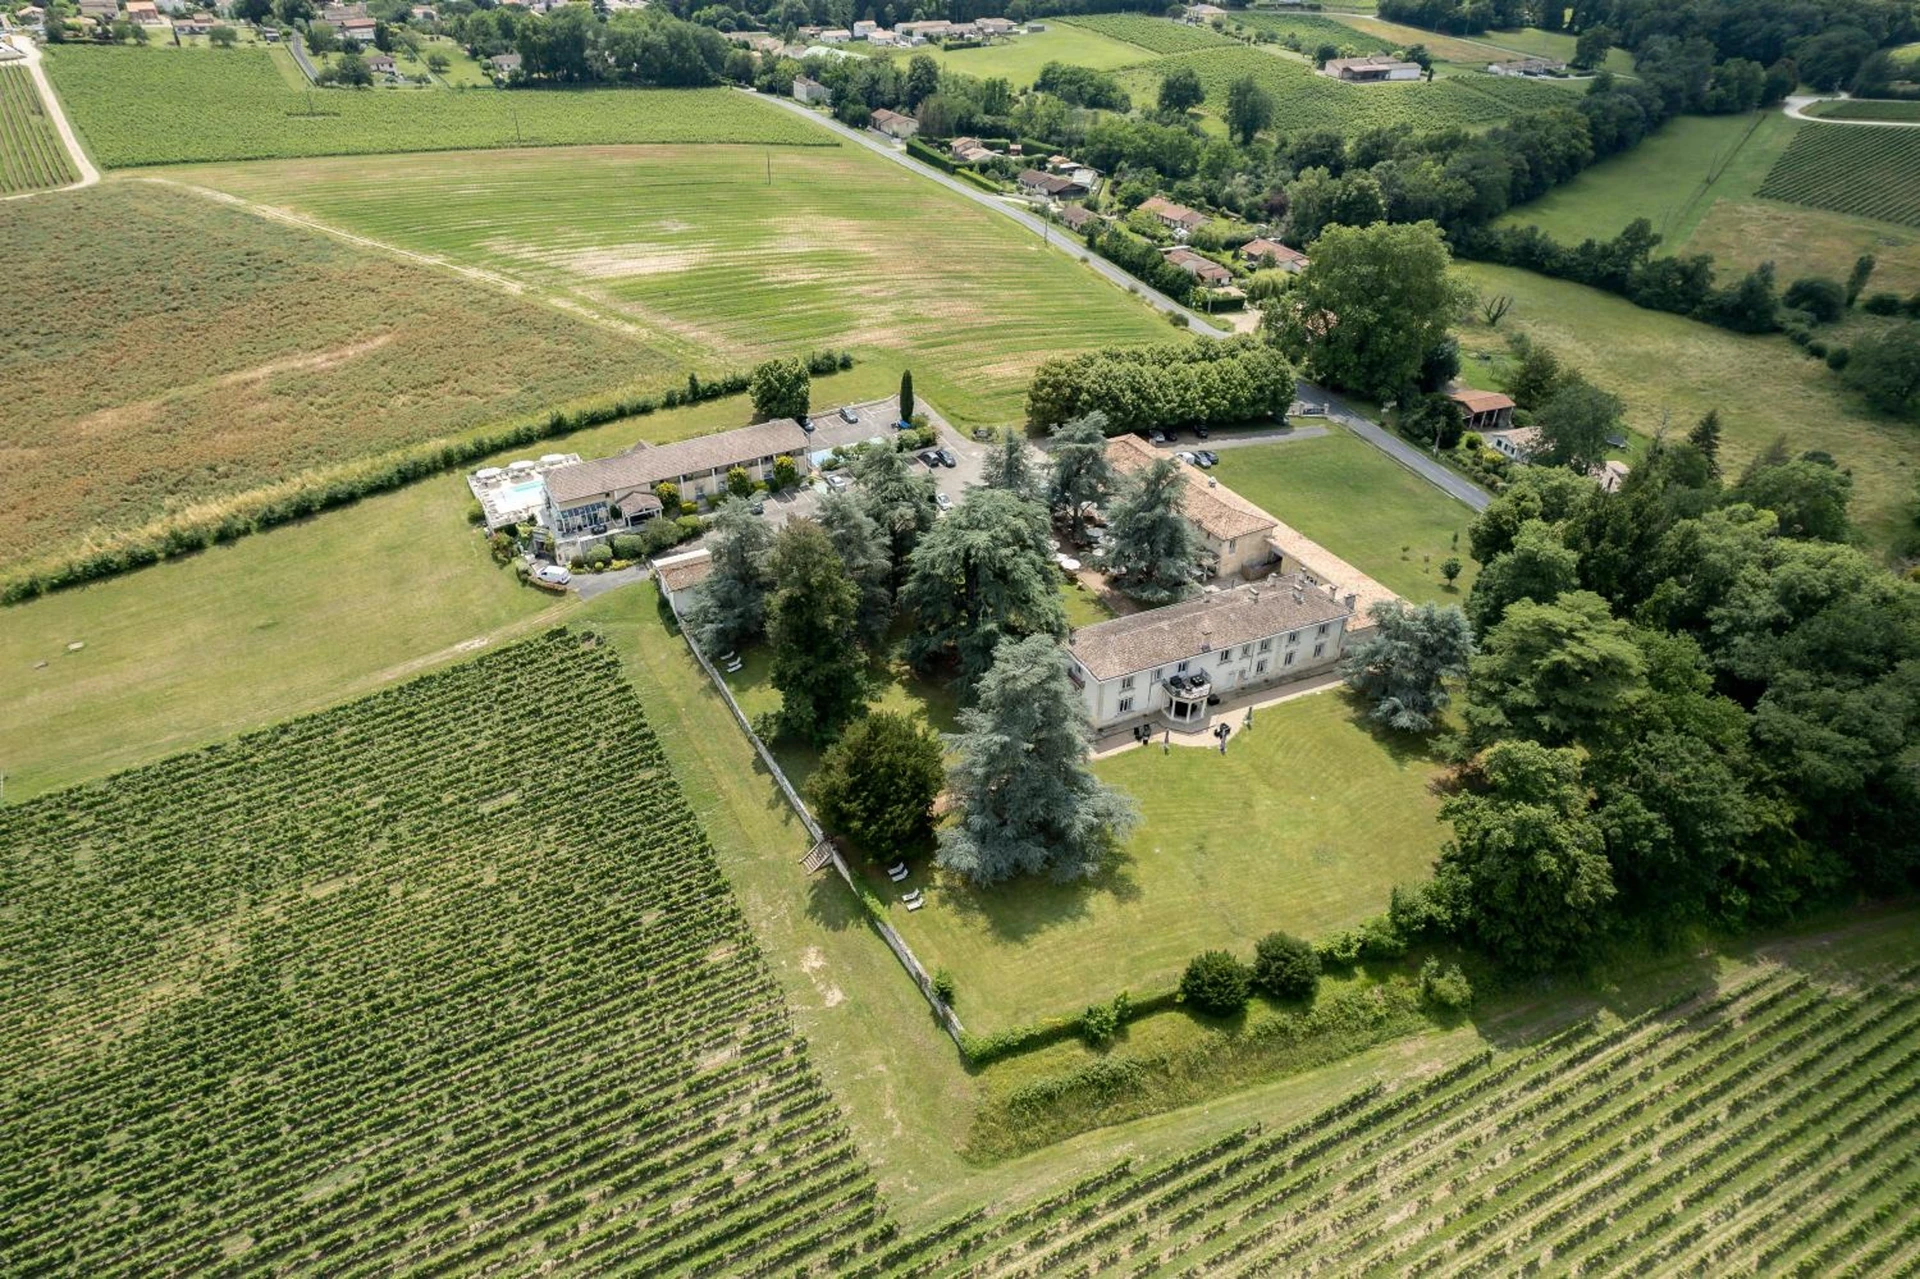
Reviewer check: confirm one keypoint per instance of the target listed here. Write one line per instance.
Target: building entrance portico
(1187, 699)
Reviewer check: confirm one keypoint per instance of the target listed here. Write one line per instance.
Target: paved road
(1051, 233)
(1796, 106)
(81, 165)
(299, 52)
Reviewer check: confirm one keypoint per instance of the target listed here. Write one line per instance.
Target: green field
(1864, 171)
(1304, 824)
(1361, 505)
(1312, 31)
(1554, 44)
(819, 247)
(1671, 370)
(1020, 58)
(1763, 1124)
(31, 154)
(1695, 181)
(268, 1002)
(1156, 35)
(282, 352)
(163, 105)
(1304, 99)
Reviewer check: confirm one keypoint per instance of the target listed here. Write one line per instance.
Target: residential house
(679, 574)
(1485, 410)
(921, 32)
(1200, 15)
(1177, 218)
(883, 38)
(195, 24)
(1272, 253)
(1198, 265)
(864, 28)
(1050, 185)
(893, 124)
(335, 14)
(996, 26)
(97, 10)
(580, 501)
(505, 64)
(31, 16)
(1516, 444)
(970, 151)
(1078, 217)
(359, 29)
(1375, 68)
(963, 31)
(1163, 664)
(1234, 529)
(1610, 475)
(836, 35)
(424, 13)
(145, 12)
(806, 89)
(381, 63)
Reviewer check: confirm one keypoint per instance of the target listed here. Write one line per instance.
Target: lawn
(1304, 99)
(1361, 505)
(1695, 181)
(165, 105)
(213, 352)
(31, 153)
(1304, 824)
(820, 247)
(1020, 58)
(1671, 370)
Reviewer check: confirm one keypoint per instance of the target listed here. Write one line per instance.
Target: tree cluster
(1169, 384)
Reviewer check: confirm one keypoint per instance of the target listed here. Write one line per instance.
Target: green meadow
(740, 253)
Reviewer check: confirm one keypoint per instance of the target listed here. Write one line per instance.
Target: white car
(942, 501)
(1188, 458)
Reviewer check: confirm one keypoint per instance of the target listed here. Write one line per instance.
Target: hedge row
(984, 1049)
(300, 497)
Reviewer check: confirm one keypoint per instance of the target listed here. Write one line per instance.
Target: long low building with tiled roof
(1166, 662)
(1235, 529)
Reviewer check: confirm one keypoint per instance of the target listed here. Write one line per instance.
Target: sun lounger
(898, 868)
(898, 873)
(911, 897)
(734, 668)
(916, 903)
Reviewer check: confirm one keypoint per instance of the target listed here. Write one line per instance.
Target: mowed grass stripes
(742, 253)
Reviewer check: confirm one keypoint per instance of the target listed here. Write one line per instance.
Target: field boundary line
(949, 1022)
(57, 116)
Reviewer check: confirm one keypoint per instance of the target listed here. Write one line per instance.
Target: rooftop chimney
(1351, 601)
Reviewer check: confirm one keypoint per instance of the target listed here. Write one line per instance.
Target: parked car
(836, 481)
(931, 458)
(847, 415)
(1156, 437)
(758, 506)
(942, 501)
(1189, 458)
(903, 425)
(946, 457)
(1199, 432)
(1207, 457)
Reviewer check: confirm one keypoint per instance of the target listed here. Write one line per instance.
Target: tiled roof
(1216, 510)
(1206, 623)
(1480, 401)
(677, 572)
(1303, 553)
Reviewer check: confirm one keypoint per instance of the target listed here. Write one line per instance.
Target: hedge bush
(1285, 967)
(1215, 982)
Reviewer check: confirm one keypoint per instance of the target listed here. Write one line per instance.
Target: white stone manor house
(1161, 666)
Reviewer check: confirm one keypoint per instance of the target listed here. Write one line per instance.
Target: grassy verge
(1670, 371)
(1361, 505)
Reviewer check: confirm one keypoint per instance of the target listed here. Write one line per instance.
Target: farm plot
(1309, 32)
(1868, 172)
(1158, 35)
(31, 155)
(819, 247)
(162, 105)
(1766, 1124)
(1868, 109)
(212, 352)
(1304, 99)
(278, 1001)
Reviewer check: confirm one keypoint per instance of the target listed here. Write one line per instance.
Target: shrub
(629, 546)
(669, 494)
(598, 557)
(476, 514)
(1823, 299)
(1445, 988)
(1215, 982)
(739, 483)
(500, 546)
(786, 472)
(1882, 304)
(1837, 357)
(1285, 967)
(658, 536)
(943, 986)
(1098, 1025)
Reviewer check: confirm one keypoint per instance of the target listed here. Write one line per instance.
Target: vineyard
(1767, 1125)
(1157, 34)
(31, 155)
(1870, 173)
(141, 106)
(1311, 31)
(446, 980)
(1870, 109)
(1304, 99)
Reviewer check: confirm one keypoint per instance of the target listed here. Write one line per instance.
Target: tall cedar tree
(1009, 465)
(1080, 478)
(1028, 803)
(985, 573)
(877, 784)
(729, 608)
(1153, 550)
(906, 395)
(1404, 666)
(899, 498)
(863, 549)
(812, 622)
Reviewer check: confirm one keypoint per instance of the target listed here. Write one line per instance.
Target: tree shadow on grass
(1024, 908)
(1403, 749)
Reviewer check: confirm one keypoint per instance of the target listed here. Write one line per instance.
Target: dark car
(757, 506)
(946, 457)
(1199, 432)
(1207, 457)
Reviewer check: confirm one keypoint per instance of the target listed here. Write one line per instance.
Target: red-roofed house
(1485, 410)
(1272, 253)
